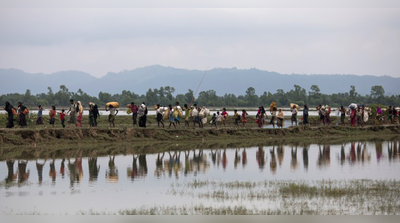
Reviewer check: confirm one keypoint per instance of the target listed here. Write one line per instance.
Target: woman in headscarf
(22, 115)
(10, 118)
(79, 114)
(260, 116)
(378, 115)
(353, 116)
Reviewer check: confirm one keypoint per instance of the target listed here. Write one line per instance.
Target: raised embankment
(102, 135)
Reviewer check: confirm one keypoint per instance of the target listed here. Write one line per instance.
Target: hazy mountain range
(222, 80)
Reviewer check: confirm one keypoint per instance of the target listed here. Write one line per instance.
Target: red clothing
(224, 113)
(62, 115)
(134, 109)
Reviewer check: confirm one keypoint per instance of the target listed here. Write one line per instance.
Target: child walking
(237, 118)
(214, 121)
(52, 114)
(244, 117)
(62, 117)
(39, 120)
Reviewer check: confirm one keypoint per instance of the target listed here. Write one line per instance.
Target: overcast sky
(304, 41)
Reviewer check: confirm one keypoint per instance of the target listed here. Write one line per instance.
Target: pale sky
(361, 41)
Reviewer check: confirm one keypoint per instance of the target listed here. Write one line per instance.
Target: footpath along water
(286, 112)
(110, 184)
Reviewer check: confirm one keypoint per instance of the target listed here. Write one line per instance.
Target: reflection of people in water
(365, 154)
(214, 157)
(75, 171)
(174, 164)
(379, 150)
(352, 153)
(237, 158)
(260, 156)
(112, 171)
(23, 175)
(133, 171)
(224, 159)
(53, 172)
(11, 176)
(293, 163)
(342, 155)
(244, 157)
(62, 168)
(305, 157)
(273, 164)
(94, 169)
(281, 153)
(142, 166)
(39, 168)
(159, 165)
(324, 158)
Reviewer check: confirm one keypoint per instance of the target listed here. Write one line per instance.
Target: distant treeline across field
(166, 95)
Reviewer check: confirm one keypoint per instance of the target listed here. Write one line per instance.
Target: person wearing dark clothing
(96, 114)
(305, 115)
(22, 115)
(10, 118)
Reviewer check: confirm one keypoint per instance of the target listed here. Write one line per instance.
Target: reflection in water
(293, 162)
(195, 162)
(11, 176)
(75, 171)
(94, 169)
(281, 153)
(62, 168)
(39, 168)
(305, 157)
(273, 163)
(237, 158)
(53, 172)
(244, 157)
(23, 175)
(159, 165)
(394, 150)
(260, 156)
(224, 159)
(379, 150)
(324, 157)
(112, 171)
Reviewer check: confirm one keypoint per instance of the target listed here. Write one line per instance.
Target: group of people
(359, 114)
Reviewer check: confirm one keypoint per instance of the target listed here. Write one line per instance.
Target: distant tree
(377, 91)
(251, 97)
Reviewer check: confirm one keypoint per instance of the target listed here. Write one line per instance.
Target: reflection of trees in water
(293, 162)
(305, 157)
(23, 175)
(112, 171)
(11, 176)
(393, 150)
(52, 171)
(260, 156)
(237, 158)
(324, 157)
(94, 169)
(39, 168)
(273, 164)
(75, 171)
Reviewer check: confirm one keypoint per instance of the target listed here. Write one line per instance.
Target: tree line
(166, 95)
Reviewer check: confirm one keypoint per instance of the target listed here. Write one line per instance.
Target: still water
(112, 183)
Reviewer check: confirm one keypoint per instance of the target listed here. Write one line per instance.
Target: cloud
(329, 41)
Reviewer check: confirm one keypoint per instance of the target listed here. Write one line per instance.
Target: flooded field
(351, 178)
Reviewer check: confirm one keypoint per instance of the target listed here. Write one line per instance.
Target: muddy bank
(128, 135)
